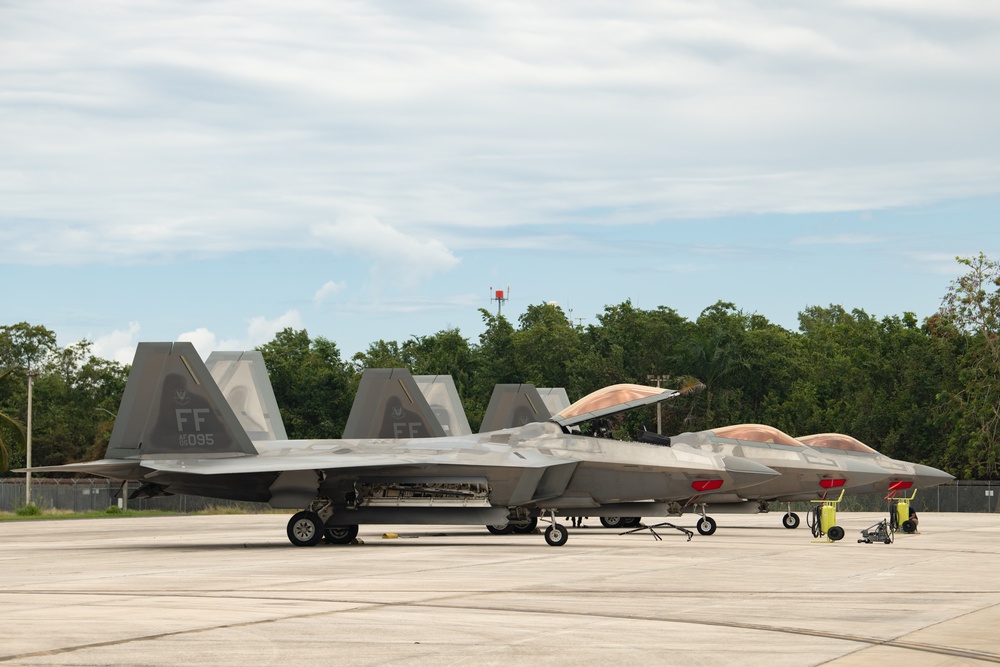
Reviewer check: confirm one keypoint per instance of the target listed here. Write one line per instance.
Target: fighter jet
(177, 434)
(805, 473)
(900, 475)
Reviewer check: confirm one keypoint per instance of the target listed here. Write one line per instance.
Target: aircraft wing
(615, 399)
(113, 468)
(333, 462)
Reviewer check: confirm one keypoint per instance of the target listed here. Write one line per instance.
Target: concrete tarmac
(231, 590)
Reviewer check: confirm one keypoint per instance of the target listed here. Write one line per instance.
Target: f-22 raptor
(176, 433)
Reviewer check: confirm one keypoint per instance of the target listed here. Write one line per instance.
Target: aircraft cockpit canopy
(609, 401)
(837, 441)
(757, 433)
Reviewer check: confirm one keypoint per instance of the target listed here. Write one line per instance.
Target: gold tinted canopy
(837, 441)
(757, 433)
(611, 400)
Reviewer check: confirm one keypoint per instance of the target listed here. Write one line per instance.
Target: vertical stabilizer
(243, 380)
(173, 408)
(442, 395)
(513, 405)
(556, 399)
(389, 405)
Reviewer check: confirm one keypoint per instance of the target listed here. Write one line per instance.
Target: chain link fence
(961, 496)
(94, 494)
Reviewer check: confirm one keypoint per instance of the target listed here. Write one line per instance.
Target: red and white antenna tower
(500, 297)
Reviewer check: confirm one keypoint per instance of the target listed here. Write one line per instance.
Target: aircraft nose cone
(746, 473)
(926, 476)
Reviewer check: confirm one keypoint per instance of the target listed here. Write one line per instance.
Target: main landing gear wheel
(340, 534)
(524, 526)
(305, 529)
(612, 521)
(500, 529)
(706, 525)
(790, 520)
(556, 535)
(631, 521)
(836, 533)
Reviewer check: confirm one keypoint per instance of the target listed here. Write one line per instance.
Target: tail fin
(389, 405)
(442, 395)
(513, 405)
(555, 398)
(243, 380)
(173, 408)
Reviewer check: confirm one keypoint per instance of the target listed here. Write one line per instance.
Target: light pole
(658, 379)
(27, 441)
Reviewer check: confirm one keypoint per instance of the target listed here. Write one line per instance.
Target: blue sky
(216, 171)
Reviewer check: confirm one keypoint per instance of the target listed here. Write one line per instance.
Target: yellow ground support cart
(823, 520)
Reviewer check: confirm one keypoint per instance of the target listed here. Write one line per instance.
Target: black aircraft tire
(611, 521)
(305, 529)
(836, 533)
(524, 527)
(340, 534)
(505, 529)
(556, 535)
(909, 527)
(706, 525)
(631, 521)
(790, 520)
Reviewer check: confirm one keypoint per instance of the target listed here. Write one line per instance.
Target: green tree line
(925, 391)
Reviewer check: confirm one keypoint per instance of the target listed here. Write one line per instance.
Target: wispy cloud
(839, 239)
(119, 345)
(259, 330)
(179, 129)
(328, 290)
(416, 144)
(392, 251)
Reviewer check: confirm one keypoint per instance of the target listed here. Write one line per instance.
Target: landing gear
(611, 521)
(706, 525)
(631, 521)
(556, 535)
(500, 528)
(523, 527)
(790, 520)
(305, 529)
(340, 534)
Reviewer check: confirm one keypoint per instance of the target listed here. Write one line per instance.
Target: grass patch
(111, 512)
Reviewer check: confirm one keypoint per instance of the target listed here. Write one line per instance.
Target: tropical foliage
(925, 391)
